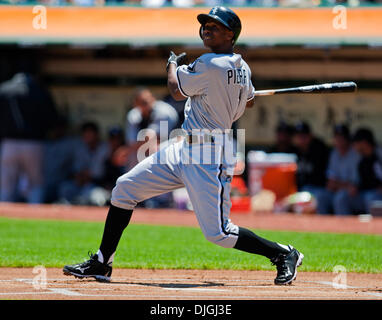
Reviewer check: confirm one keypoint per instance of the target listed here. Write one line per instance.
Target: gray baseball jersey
(218, 87)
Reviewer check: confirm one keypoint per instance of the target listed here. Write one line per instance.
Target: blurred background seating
(91, 74)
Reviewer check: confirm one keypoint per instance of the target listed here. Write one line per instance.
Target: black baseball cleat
(286, 265)
(91, 268)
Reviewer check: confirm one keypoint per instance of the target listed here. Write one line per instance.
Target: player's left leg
(211, 202)
(147, 179)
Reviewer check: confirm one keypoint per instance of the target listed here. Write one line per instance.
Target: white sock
(100, 256)
(284, 246)
(110, 262)
(101, 259)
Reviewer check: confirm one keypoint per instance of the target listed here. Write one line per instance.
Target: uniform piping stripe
(249, 99)
(221, 201)
(221, 205)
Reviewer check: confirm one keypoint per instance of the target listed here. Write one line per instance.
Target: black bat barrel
(335, 87)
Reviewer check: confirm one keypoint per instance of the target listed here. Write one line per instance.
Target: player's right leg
(286, 258)
(211, 202)
(147, 179)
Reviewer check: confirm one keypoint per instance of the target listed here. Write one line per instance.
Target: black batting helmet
(225, 16)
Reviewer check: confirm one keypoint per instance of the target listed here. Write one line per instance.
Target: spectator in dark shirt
(342, 172)
(59, 151)
(113, 169)
(148, 113)
(100, 192)
(27, 113)
(178, 106)
(359, 198)
(88, 167)
(284, 139)
(312, 161)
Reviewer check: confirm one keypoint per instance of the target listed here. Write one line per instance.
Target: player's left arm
(172, 83)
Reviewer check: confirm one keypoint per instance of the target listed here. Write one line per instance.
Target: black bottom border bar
(187, 309)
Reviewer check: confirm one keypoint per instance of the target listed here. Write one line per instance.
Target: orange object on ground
(281, 180)
(241, 204)
(238, 185)
(274, 171)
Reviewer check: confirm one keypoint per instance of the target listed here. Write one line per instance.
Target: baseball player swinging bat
(208, 183)
(335, 87)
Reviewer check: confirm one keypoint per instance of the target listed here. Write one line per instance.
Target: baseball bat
(334, 87)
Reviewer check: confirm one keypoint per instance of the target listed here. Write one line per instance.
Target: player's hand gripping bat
(177, 60)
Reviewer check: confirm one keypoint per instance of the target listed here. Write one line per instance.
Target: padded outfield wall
(136, 25)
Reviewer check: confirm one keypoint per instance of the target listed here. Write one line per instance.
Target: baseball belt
(199, 139)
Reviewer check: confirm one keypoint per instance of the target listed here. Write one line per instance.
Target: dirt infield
(130, 284)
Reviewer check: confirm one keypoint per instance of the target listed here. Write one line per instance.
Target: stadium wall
(93, 58)
(137, 25)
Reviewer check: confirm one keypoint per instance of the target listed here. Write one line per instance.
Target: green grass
(56, 243)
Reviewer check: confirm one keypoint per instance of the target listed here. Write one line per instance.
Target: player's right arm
(251, 93)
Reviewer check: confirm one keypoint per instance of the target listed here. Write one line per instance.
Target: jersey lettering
(237, 76)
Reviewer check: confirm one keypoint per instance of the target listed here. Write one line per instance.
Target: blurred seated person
(284, 139)
(178, 106)
(27, 113)
(101, 193)
(342, 172)
(88, 167)
(153, 3)
(86, 3)
(359, 198)
(58, 159)
(113, 169)
(147, 114)
(312, 161)
(298, 3)
(229, 3)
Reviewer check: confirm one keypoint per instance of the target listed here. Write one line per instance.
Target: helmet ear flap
(201, 32)
(233, 38)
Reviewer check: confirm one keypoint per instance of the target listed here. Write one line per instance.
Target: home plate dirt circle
(133, 284)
